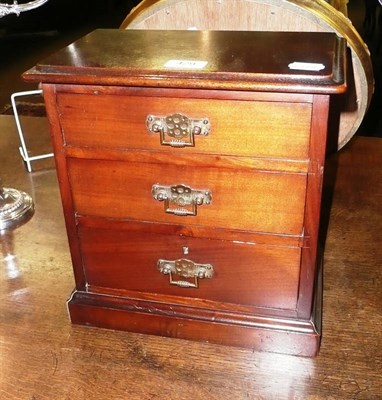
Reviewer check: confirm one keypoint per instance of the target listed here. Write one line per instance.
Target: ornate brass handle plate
(186, 269)
(180, 199)
(177, 130)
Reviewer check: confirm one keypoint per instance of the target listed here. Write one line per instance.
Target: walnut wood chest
(190, 167)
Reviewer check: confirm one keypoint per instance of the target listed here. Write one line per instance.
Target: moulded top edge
(312, 61)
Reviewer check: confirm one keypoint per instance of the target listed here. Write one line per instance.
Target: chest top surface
(266, 61)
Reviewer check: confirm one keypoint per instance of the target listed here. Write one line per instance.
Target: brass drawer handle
(186, 269)
(180, 199)
(177, 130)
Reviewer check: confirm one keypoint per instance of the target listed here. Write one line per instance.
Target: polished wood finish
(258, 232)
(278, 268)
(138, 58)
(128, 107)
(279, 16)
(45, 357)
(116, 189)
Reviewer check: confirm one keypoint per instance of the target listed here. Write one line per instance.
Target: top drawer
(237, 127)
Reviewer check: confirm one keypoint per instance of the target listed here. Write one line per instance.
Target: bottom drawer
(243, 273)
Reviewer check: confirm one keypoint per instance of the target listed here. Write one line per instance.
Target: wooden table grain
(44, 357)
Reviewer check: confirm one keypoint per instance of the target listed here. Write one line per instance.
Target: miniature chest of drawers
(190, 167)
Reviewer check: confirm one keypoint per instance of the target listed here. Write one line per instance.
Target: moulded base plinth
(272, 334)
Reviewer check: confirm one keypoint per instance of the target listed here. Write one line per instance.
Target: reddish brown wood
(267, 334)
(199, 231)
(244, 273)
(236, 60)
(238, 133)
(310, 256)
(44, 356)
(49, 92)
(262, 163)
(241, 199)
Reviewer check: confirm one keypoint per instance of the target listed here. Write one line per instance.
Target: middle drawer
(246, 200)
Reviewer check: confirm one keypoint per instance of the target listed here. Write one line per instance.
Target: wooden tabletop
(44, 357)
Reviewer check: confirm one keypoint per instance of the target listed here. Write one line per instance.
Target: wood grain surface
(44, 357)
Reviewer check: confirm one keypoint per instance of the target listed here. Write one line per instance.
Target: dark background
(31, 36)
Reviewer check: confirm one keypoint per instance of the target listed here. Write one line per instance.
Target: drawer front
(232, 199)
(243, 128)
(246, 274)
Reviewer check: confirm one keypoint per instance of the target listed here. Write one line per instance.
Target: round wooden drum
(272, 15)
